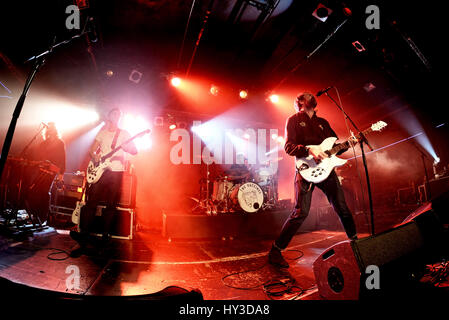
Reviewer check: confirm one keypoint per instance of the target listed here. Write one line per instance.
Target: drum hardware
(205, 203)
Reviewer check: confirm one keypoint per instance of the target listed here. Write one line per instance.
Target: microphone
(323, 91)
(92, 33)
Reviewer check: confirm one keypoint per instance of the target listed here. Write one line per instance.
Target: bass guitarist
(108, 187)
(302, 129)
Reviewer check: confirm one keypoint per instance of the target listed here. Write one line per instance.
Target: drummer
(241, 171)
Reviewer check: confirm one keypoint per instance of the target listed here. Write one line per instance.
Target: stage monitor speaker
(400, 253)
(341, 270)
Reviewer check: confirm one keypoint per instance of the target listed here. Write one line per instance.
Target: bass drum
(247, 196)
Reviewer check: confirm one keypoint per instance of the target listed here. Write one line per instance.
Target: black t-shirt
(301, 130)
(52, 150)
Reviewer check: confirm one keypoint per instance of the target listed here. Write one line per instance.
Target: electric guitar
(96, 169)
(77, 212)
(318, 171)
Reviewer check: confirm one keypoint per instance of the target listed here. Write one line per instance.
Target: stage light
(358, 46)
(274, 136)
(214, 90)
(135, 76)
(172, 126)
(243, 94)
(109, 73)
(134, 125)
(274, 98)
(246, 136)
(321, 12)
(175, 82)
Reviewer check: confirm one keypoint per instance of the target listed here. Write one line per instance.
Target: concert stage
(151, 262)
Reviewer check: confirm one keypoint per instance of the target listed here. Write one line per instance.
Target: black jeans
(303, 189)
(107, 192)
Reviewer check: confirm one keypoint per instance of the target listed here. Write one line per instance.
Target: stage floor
(150, 263)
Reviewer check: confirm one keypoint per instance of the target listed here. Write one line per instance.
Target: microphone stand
(39, 61)
(363, 141)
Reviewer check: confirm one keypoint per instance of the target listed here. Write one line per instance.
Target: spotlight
(109, 73)
(369, 87)
(274, 136)
(243, 94)
(246, 136)
(175, 82)
(359, 47)
(214, 90)
(135, 76)
(274, 98)
(159, 121)
(172, 127)
(321, 12)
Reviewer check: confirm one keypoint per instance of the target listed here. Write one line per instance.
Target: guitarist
(302, 129)
(109, 185)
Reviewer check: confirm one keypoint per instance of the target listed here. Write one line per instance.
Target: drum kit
(231, 192)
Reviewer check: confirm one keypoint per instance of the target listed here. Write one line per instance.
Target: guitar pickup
(304, 166)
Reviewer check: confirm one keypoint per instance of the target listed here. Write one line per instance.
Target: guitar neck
(111, 153)
(346, 144)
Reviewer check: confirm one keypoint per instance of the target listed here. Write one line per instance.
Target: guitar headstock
(378, 126)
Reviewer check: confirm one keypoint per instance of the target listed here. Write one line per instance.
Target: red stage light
(243, 94)
(176, 82)
(274, 98)
(214, 90)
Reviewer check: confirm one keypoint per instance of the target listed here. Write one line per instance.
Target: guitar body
(94, 172)
(315, 172)
(77, 212)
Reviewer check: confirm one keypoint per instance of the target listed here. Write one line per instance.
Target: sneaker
(275, 258)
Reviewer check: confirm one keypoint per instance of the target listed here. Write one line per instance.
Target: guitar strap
(114, 141)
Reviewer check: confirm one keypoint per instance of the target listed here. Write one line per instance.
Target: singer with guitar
(304, 133)
(109, 185)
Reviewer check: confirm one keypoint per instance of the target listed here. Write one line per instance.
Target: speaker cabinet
(128, 192)
(340, 270)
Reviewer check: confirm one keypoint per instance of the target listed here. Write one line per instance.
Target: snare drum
(247, 196)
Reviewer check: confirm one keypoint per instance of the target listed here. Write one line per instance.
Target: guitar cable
(277, 287)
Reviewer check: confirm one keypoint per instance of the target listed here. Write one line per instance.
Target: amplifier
(127, 192)
(63, 200)
(122, 224)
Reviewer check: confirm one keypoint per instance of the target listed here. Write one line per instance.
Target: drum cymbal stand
(206, 203)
